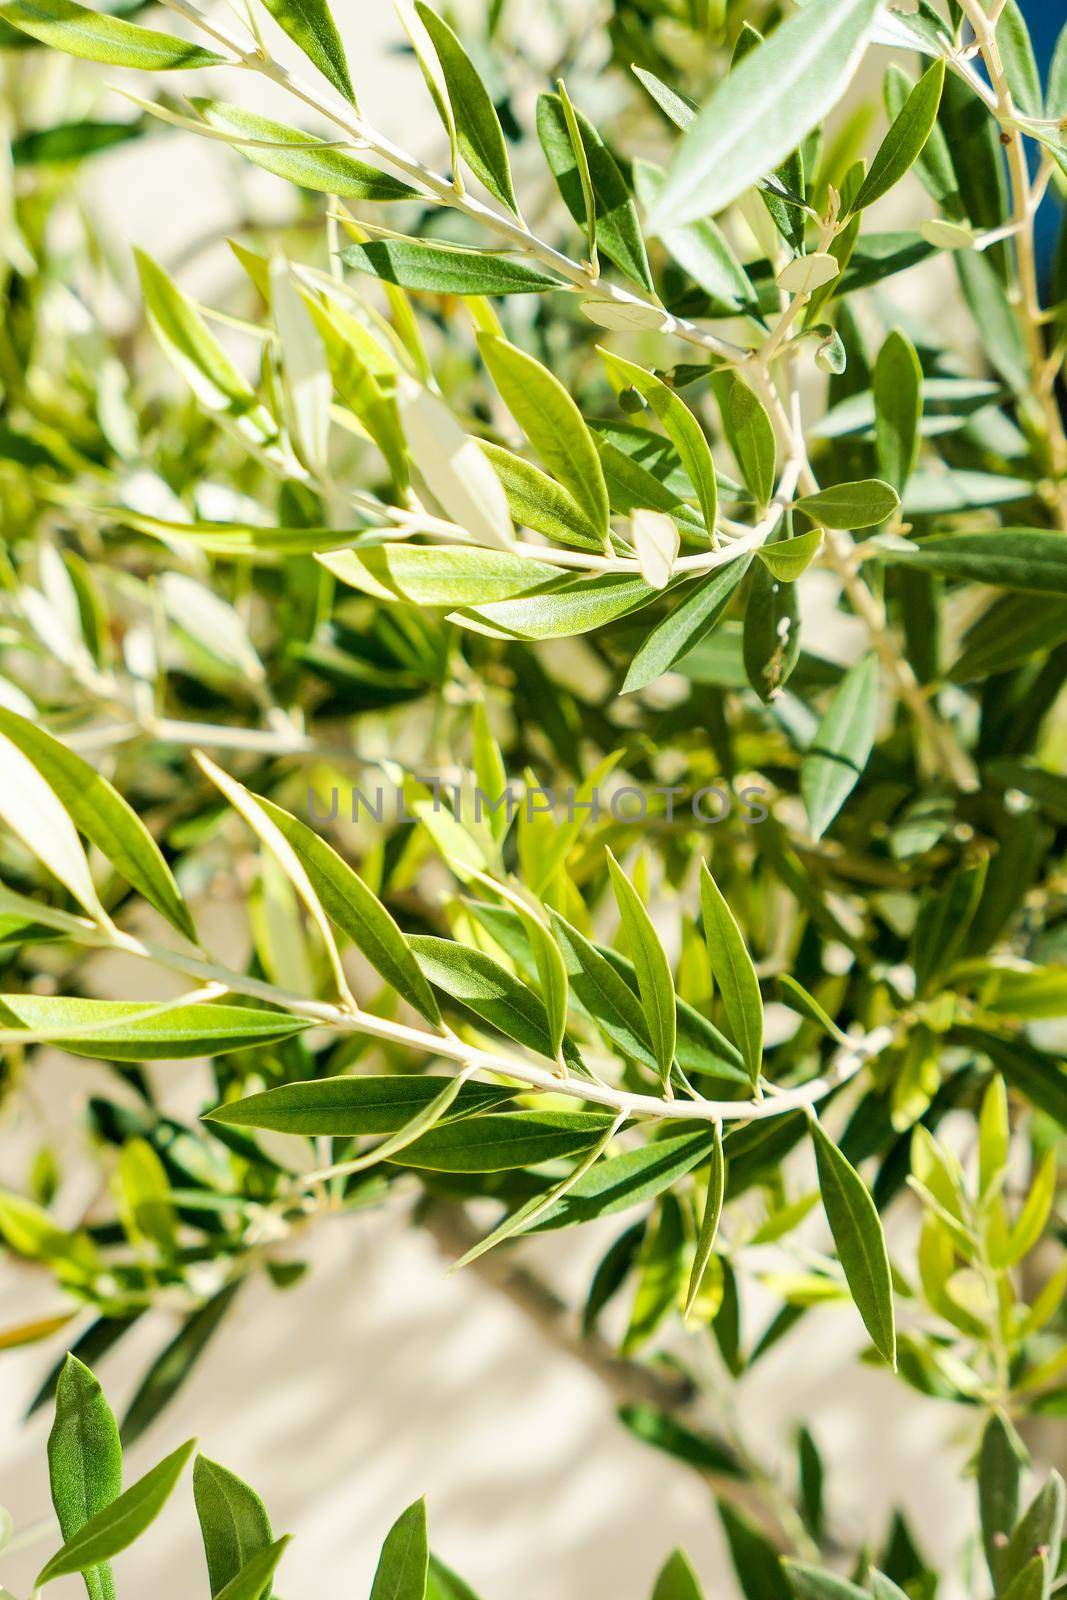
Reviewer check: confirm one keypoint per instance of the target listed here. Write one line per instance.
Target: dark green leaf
(481, 138)
(857, 1230)
(617, 229)
(310, 25)
(234, 1523)
(833, 765)
(438, 269)
(120, 1522)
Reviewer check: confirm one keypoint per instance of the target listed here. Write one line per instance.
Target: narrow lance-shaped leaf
(654, 977)
(175, 1363)
(733, 971)
(478, 130)
(553, 424)
(95, 36)
(526, 1215)
(709, 1226)
(617, 228)
(906, 139)
(103, 816)
(347, 1107)
(681, 427)
(682, 630)
(898, 407)
(453, 466)
(839, 752)
(143, 1030)
(253, 1580)
(861, 1248)
(548, 959)
(1028, 559)
(404, 1561)
(581, 161)
(357, 912)
(750, 435)
(300, 157)
(84, 1462)
(267, 831)
(234, 1524)
(677, 1580)
(440, 269)
(765, 107)
(120, 1522)
(310, 25)
(32, 810)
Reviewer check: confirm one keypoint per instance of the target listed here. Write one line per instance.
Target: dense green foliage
(611, 645)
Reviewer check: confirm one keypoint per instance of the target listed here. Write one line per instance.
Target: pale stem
(847, 1062)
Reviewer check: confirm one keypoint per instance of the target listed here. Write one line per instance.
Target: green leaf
(765, 107)
(520, 1220)
(702, 250)
(121, 1522)
(193, 348)
(851, 505)
(788, 558)
(617, 229)
(709, 1226)
(144, 1196)
(857, 1230)
(734, 973)
(553, 424)
(660, 1268)
(654, 975)
(1020, 65)
(564, 610)
(443, 1584)
(632, 1178)
(478, 130)
(813, 1583)
(310, 25)
(999, 1476)
(750, 436)
(352, 907)
(548, 960)
(1031, 1583)
(443, 269)
(253, 1580)
(1037, 1537)
(488, 989)
(771, 633)
(661, 1430)
(680, 426)
(906, 139)
(603, 994)
(234, 1524)
(95, 36)
(309, 162)
(32, 810)
(898, 407)
(838, 754)
(139, 1030)
(84, 1462)
(344, 1108)
(453, 466)
(759, 1567)
(103, 816)
(684, 627)
(404, 1562)
(536, 501)
(173, 1366)
(1029, 559)
(677, 1580)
